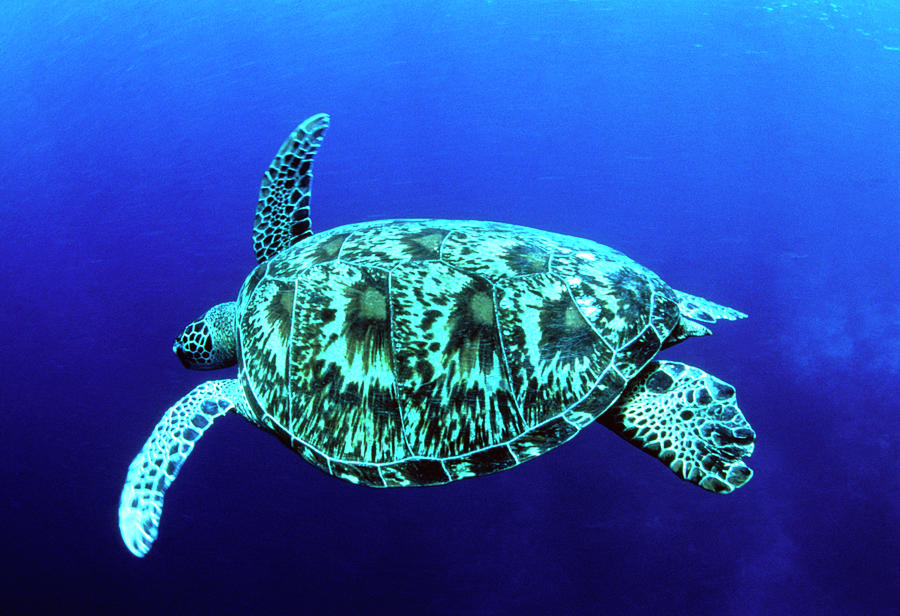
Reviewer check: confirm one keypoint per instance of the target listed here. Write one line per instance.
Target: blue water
(747, 151)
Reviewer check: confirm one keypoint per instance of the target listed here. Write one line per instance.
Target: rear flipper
(689, 420)
(701, 309)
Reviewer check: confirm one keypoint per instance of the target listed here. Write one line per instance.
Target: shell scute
(554, 355)
(491, 460)
(292, 262)
(385, 246)
(264, 331)
(666, 313)
(613, 296)
(600, 398)
(417, 471)
(494, 254)
(542, 439)
(365, 474)
(633, 357)
(451, 379)
(341, 368)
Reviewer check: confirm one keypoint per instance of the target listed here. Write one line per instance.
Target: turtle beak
(178, 349)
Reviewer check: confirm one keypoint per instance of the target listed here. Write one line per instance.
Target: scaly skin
(156, 466)
(690, 421)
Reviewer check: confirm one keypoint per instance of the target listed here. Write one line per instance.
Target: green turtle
(419, 352)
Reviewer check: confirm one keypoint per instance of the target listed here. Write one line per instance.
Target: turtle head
(208, 343)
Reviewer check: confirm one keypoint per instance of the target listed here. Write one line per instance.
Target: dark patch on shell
(417, 472)
(542, 439)
(482, 462)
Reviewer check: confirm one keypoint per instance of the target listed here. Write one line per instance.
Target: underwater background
(747, 151)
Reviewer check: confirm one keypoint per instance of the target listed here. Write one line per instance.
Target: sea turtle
(418, 352)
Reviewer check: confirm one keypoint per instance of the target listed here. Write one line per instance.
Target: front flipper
(689, 420)
(156, 466)
(282, 214)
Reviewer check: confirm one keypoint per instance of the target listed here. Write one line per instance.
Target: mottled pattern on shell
(416, 352)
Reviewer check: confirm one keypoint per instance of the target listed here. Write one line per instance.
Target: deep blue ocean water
(747, 151)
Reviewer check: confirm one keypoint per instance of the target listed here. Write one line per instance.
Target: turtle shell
(417, 352)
